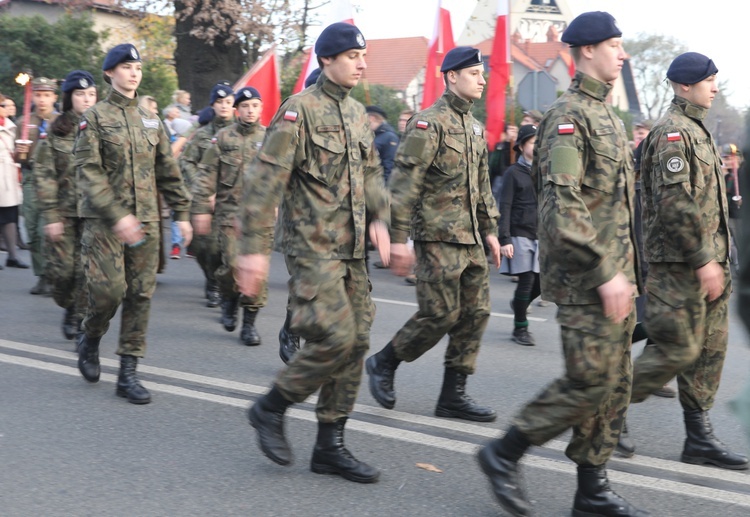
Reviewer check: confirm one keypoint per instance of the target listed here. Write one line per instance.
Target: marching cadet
(319, 157)
(205, 247)
(57, 201)
(123, 161)
(687, 247)
(440, 192)
(220, 178)
(583, 171)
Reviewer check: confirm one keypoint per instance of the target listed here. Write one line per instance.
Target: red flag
(440, 44)
(340, 11)
(264, 77)
(499, 76)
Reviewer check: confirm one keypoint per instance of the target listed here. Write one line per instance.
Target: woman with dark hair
(55, 178)
(10, 188)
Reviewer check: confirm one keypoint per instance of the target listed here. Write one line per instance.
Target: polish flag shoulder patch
(214, 140)
(83, 125)
(565, 129)
(291, 116)
(674, 137)
(422, 124)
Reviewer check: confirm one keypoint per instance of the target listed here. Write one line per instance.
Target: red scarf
(2, 121)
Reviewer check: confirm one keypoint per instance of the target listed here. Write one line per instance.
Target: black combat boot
(213, 295)
(455, 403)
(128, 385)
(267, 417)
(229, 313)
(70, 323)
(625, 446)
(595, 497)
(88, 357)
(381, 368)
(249, 335)
(703, 448)
(499, 461)
(288, 341)
(331, 457)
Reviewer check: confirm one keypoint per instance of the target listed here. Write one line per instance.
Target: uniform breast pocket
(450, 158)
(112, 147)
(704, 170)
(328, 159)
(229, 170)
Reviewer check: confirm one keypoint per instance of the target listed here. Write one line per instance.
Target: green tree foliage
(49, 50)
(156, 42)
(383, 96)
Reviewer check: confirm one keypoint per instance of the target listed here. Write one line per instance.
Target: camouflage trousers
(332, 311)
(224, 274)
(34, 222)
(119, 274)
(453, 292)
(64, 268)
(593, 395)
(690, 336)
(205, 248)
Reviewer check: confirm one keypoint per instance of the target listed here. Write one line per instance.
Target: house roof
(534, 56)
(395, 62)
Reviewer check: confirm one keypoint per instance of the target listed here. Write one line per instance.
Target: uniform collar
(333, 90)
(457, 103)
(244, 128)
(590, 86)
(689, 109)
(220, 123)
(120, 100)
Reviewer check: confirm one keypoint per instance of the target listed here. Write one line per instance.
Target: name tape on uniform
(565, 129)
(150, 123)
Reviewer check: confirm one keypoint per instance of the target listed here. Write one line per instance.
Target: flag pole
(511, 104)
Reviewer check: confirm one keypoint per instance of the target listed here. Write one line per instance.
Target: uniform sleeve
(563, 216)
(169, 179)
(376, 196)
(672, 188)
(488, 216)
(205, 179)
(506, 205)
(92, 180)
(193, 154)
(267, 175)
(46, 181)
(414, 156)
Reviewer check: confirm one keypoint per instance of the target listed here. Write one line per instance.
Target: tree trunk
(201, 65)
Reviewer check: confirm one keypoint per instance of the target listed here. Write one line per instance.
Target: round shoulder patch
(675, 164)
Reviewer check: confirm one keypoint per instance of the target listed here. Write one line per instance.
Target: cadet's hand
(617, 298)
(252, 271)
(212, 202)
(186, 230)
(507, 251)
(54, 231)
(22, 148)
(512, 132)
(202, 224)
(402, 259)
(129, 230)
(381, 239)
(711, 277)
(494, 245)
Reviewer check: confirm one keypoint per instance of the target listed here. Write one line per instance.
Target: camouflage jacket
(585, 184)
(122, 157)
(38, 130)
(55, 175)
(220, 171)
(440, 185)
(192, 155)
(685, 203)
(319, 157)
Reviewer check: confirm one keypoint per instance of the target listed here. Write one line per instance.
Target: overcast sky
(716, 28)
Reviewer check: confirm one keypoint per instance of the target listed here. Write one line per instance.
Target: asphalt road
(71, 448)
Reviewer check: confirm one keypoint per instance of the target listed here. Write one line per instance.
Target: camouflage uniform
(38, 129)
(204, 247)
(440, 189)
(583, 170)
(685, 224)
(123, 160)
(320, 157)
(55, 178)
(220, 174)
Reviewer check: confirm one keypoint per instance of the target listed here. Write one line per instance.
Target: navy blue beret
(312, 78)
(376, 109)
(220, 91)
(120, 54)
(78, 80)
(461, 57)
(206, 115)
(245, 94)
(337, 38)
(591, 28)
(691, 68)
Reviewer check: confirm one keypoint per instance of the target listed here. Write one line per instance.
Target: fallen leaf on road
(428, 467)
